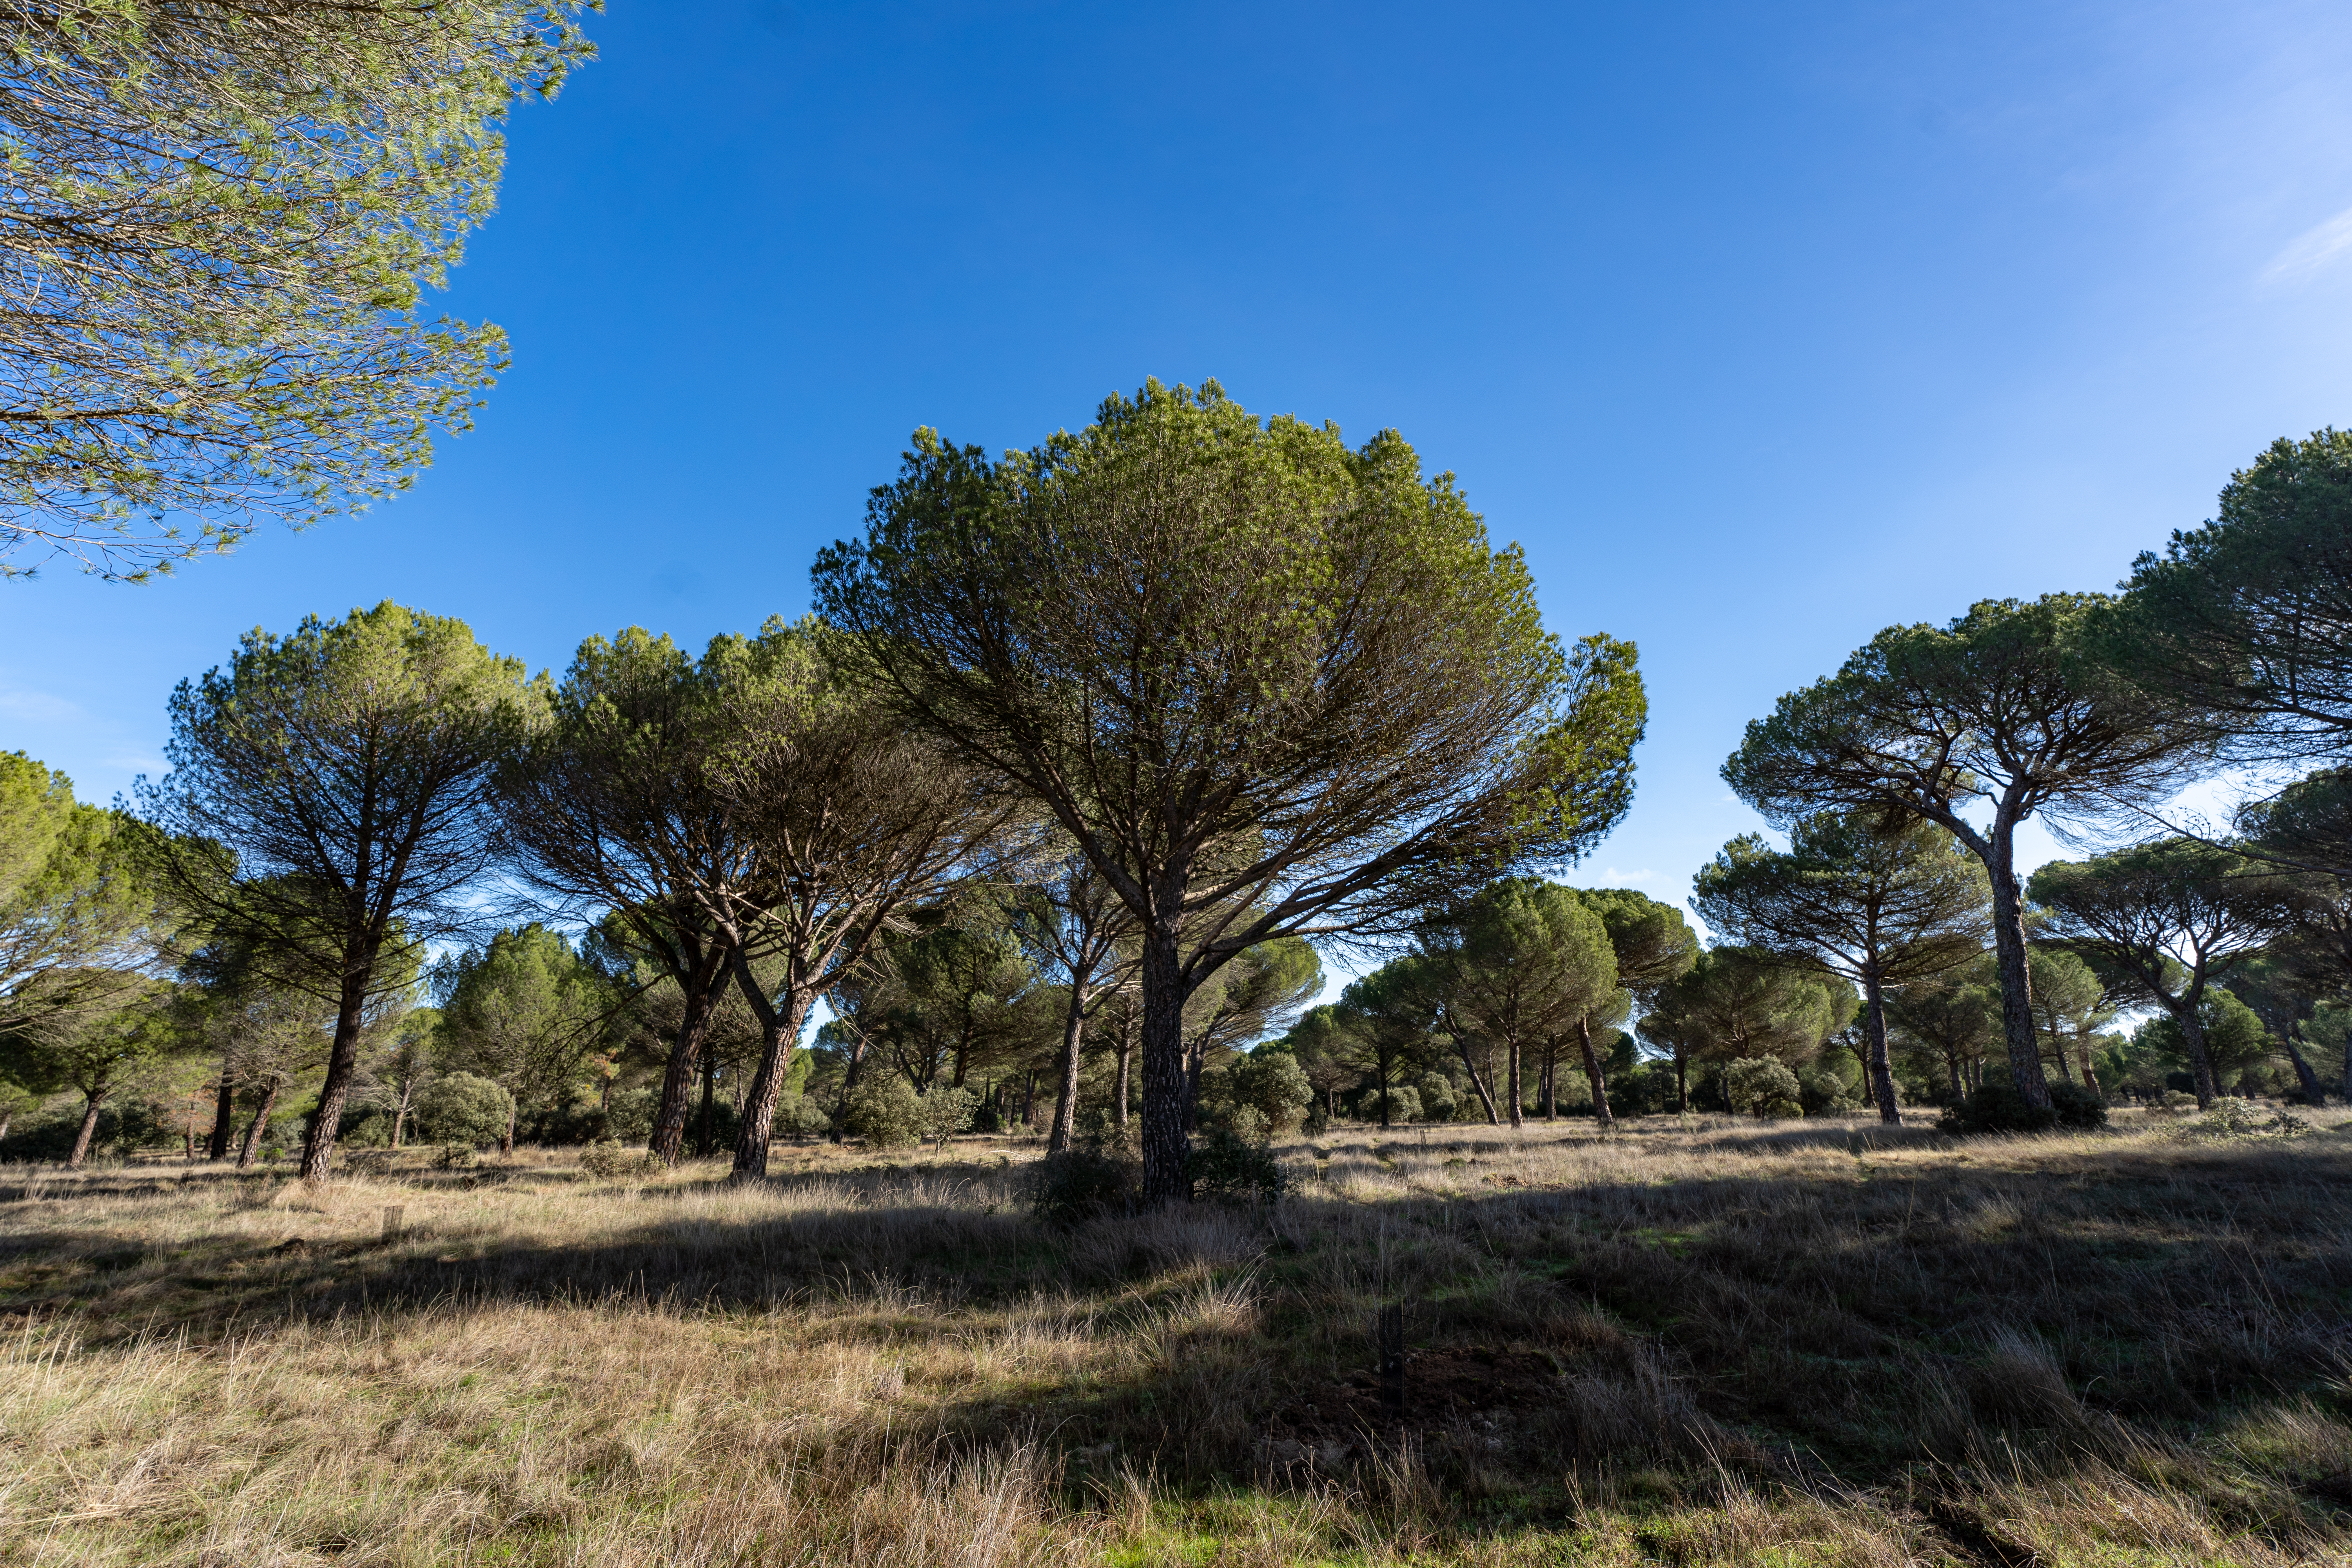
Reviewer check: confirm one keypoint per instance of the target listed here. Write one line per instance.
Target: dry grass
(1691, 1344)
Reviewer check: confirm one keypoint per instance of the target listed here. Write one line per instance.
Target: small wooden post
(1391, 1337)
(391, 1212)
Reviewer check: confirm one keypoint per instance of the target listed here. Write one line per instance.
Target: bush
(1318, 1121)
(1999, 1108)
(1763, 1086)
(120, 1128)
(1223, 1168)
(1404, 1105)
(1640, 1092)
(459, 1108)
(1083, 1184)
(457, 1157)
(804, 1118)
(2077, 1107)
(1438, 1101)
(1272, 1083)
(607, 1157)
(884, 1110)
(1822, 1092)
(946, 1111)
(629, 1115)
(1248, 1123)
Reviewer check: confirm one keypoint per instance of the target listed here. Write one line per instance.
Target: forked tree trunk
(81, 1138)
(1066, 1104)
(1881, 1074)
(400, 1108)
(253, 1131)
(1594, 1075)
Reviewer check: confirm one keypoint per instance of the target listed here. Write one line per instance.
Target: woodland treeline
(1083, 757)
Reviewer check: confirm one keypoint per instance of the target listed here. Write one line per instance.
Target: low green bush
(884, 1110)
(459, 1108)
(1223, 1168)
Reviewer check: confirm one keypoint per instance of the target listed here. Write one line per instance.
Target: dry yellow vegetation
(1690, 1342)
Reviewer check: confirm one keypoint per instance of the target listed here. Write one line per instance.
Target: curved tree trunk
(81, 1138)
(781, 1028)
(1593, 1072)
(1118, 1106)
(1882, 1074)
(2305, 1078)
(343, 1061)
(253, 1129)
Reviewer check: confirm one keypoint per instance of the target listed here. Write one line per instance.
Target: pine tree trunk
(253, 1131)
(2018, 1028)
(224, 1117)
(2192, 1034)
(2090, 1078)
(400, 1110)
(1066, 1104)
(343, 1061)
(1682, 1084)
(81, 1138)
(709, 1104)
(1881, 1074)
(1547, 1089)
(1164, 1148)
(669, 1141)
(1126, 1052)
(1519, 1107)
(1594, 1075)
(2306, 1080)
(782, 1035)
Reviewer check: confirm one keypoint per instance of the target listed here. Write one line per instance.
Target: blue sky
(1759, 327)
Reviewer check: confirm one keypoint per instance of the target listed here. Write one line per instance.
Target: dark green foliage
(1643, 1090)
(1999, 1108)
(1223, 1168)
(121, 1128)
(884, 1110)
(1088, 1180)
(460, 1108)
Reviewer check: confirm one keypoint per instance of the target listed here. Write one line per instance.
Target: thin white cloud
(1617, 878)
(2313, 252)
(37, 706)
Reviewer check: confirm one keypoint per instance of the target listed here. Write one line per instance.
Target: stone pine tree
(1654, 946)
(1388, 1022)
(619, 806)
(1883, 905)
(329, 807)
(1739, 1003)
(2245, 623)
(1269, 684)
(1520, 962)
(2171, 919)
(219, 222)
(2071, 1006)
(82, 933)
(853, 819)
(1949, 1024)
(2007, 707)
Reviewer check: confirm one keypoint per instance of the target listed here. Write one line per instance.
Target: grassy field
(1685, 1343)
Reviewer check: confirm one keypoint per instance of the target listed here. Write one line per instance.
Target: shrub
(804, 1118)
(629, 1116)
(607, 1157)
(1226, 1169)
(2234, 1118)
(1822, 1092)
(1404, 1105)
(1083, 1184)
(1272, 1083)
(884, 1110)
(1438, 1101)
(1762, 1087)
(1318, 1121)
(459, 1108)
(455, 1157)
(2076, 1106)
(947, 1111)
(1640, 1092)
(1248, 1123)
